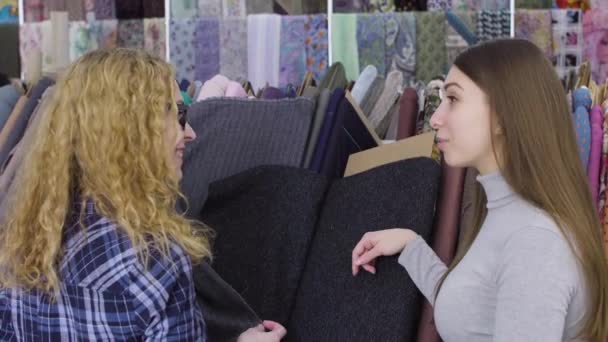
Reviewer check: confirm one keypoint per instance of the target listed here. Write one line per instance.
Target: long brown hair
(539, 158)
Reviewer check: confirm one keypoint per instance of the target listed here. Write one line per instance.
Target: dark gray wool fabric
(264, 219)
(237, 134)
(331, 304)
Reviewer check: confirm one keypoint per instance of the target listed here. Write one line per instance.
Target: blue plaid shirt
(107, 294)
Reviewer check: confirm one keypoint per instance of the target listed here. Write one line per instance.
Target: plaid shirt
(106, 294)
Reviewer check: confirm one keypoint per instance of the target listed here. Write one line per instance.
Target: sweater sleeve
(536, 278)
(424, 267)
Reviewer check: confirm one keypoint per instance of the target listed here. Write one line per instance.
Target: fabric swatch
(89, 6)
(30, 42)
(344, 43)
(131, 33)
(131, 9)
(184, 8)
(292, 61)
(233, 44)
(410, 5)
(401, 45)
(234, 8)
(55, 6)
(567, 31)
(455, 43)
(81, 39)
(105, 32)
(154, 8)
(182, 33)
(604, 166)
(431, 54)
(595, 32)
(206, 48)
(209, 8)
(76, 9)
(105, 9)
(439, 5)
(535, 26)
(263, 49)
(371, 42)
(596, 118)
(582, 105)
(478, 5)
(259, 6)
(534, 4)
(59, 41)
(317, 45)
(154, 36)
(34, 11)
(493, 25)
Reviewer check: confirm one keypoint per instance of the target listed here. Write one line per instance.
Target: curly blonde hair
(101, 138)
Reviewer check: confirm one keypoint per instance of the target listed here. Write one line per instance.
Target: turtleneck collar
(498, 192)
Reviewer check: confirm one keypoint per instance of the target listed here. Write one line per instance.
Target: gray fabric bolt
(316, 126)
(238, 134)
(373, 94)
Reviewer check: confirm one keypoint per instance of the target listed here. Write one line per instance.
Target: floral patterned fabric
(82, 39)
(34, 10)
(595, 33)
(207, 48)
(535, 26)
(182, 35)
(292, 59)
(371, 42)
(234, 8)
(105, 9)
(105, 32)
(401, 44)
(30, 42)
(439, 5)
(317, 45)
(233, 44)
(131, 33)
(209, 8)
(154, 36)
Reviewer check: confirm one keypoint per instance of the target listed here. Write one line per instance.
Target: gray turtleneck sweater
(519, 281)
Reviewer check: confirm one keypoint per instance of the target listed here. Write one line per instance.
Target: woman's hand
(259, 334)
(379, 243)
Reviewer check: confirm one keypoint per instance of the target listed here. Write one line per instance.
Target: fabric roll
(154, 36)
(595, 156)
(105, 9)
(535, 26)
(594, 33)
(455, 41)
(410, 5)
(534, 4)
(349, 135)
(34, 11)
(215, 87)
(47, 46)
(76, 9)
(131, 33)
(408, 114)
(401, 44)
(235, 89)
(582, 105)
(234, 8)
(9, 95)
(263, 49)
(184, 8)
(182, 33)
(292, 59)
(207, 48)
(210, 8)
(334, 78)
(259, 7)
(373, 94)
(318, 119)
(81, 39)
(233, 44)
(329, 121)
(379, 117)
(15, 126)
(272, 93)
(105, 33)
(432, 100)
(317, 45)
(268, 197)
(445, 236)
(439, 5)
(154, 9)
(567, 32)
(365, 80)
(393, 127)
(30, 44)
(400, 194)
(344, 43)
(604, 166)
(237, 134)
(375, 6)
(227, 314)
(56, 6)
(131, 9)
(493, 24)
(59, 43)
(371, 42)
(431, 54)
(9, 55)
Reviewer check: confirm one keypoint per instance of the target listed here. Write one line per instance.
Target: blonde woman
(92, 247)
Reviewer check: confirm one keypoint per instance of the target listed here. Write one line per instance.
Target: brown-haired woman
(532, 267)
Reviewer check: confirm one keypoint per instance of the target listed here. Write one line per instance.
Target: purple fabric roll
(272, 93)
(207, 48)
(594, 166)
(326, 129)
